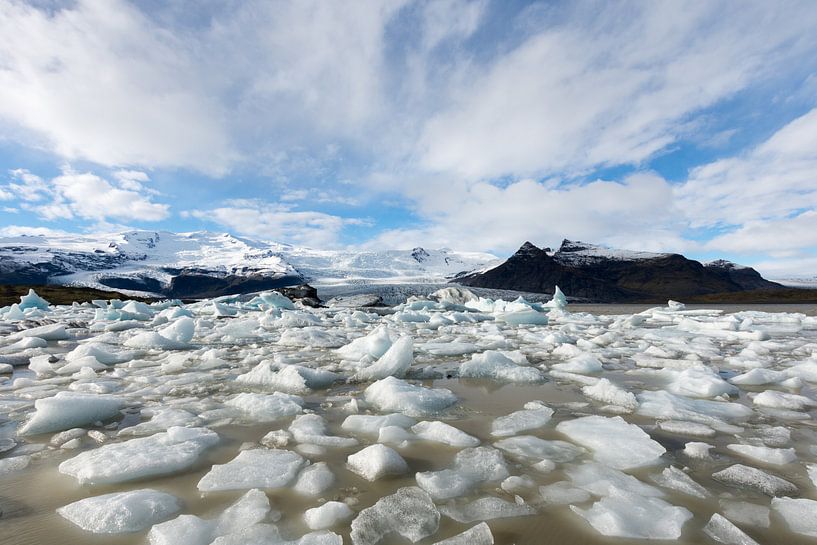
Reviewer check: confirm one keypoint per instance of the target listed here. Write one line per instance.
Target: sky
(688, 127)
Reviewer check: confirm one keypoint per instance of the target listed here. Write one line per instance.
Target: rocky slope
(600, 274)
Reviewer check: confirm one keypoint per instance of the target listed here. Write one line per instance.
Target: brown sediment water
(30, 497)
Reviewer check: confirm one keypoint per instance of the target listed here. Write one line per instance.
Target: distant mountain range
(600, 274)
(204, 264)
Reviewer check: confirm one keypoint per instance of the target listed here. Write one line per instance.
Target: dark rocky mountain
(600, 274)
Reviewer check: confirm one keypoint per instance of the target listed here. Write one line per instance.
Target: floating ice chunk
(601, 480)
(187, 529)
(799, 513)
(367, 424)
(686, 428)
(445, 484)
(50, 332)
(255, 468)
(607, 392)
(251, 508)
(750, 477)
(32, 300)
(311, 336)
(121, 512)
(488, 508)
(79, 364)
(180, 330)
(314, 480)
(697, 450)
(624, 514)
(160, 454)
(69, 410)
(664, 405)
(780, 400)
(373, 345)
(441, 432)
(523, 317)
(393, 394)
(376, 461)
(806, 371)
(533, 416)
(409, 512)
(481, 464)
(471, 467)
(582, 364)
(533, 448)
(14, 464)
(476, 535)
(395, 362)
(723, 531)
(293, 379)
(757, 377)
(153, 340)
(772, 456)
(558, 301)
(498, 366)
(327, 515)
(311, 428)
(266, 408)
(562, 493)
(675, 479)
(742, 512)
(395, 435)
(100, 352)
(613, 441)
(516, 484)
(700, 382)
(246, 512)
(161, 420)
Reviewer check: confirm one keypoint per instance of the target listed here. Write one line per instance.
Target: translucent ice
(68, 410)
(395, 362)
(255, 468)
(121, 512)
(476, 535)
(723, 531)
(266, 408)
(160, 454)
(314, 480)
(624, 514)
(441, 432)
(393, 394)
(607, 392)
(409, 512)
(376, 461)
(496, 365)
(533, 416)
(488, 508)
(773, 456)
(613, 441)
(327, 515)
(799, 513)
(751, 477)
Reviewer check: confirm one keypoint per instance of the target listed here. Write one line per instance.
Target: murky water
(28, 498)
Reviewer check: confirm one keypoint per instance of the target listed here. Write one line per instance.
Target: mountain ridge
(602, 274)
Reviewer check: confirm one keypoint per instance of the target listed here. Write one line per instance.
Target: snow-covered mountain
(603, 274)
(205, 264)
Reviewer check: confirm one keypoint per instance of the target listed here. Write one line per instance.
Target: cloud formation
(486, 122)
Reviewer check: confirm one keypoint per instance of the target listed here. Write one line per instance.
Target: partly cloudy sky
(673, 126)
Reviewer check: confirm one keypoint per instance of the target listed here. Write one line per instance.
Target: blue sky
(669, 126)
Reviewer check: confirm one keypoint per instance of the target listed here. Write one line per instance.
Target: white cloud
(638, 213)
(85, 196)
(276, 222)
(99, 81)
(611, 84)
